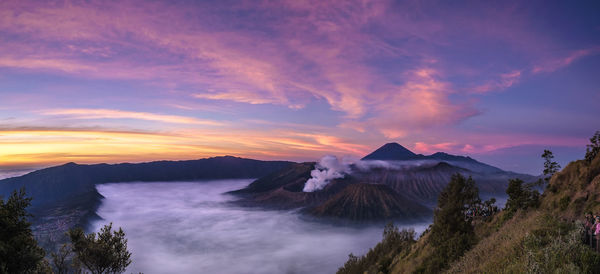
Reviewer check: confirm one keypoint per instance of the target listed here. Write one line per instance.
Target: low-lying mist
(189, 227)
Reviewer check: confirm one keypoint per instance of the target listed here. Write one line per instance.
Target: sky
(134, 81)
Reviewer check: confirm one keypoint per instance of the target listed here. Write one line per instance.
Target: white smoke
(328, 168)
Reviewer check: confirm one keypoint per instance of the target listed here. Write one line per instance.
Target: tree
(550, 167)
(19, 251)
(593, 148)
(60, 259)
(451, 234)
(520, 196)
(106, 253)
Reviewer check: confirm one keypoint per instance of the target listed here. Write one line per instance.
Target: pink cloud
(504, 81)
(424, 148)
(554, 64)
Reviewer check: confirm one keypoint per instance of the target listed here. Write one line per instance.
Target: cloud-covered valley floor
(188, 227)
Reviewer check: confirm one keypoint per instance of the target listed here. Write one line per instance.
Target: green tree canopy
(451, 234)
(19, 252)
(105, 252)
(520, 196)
(550, 167)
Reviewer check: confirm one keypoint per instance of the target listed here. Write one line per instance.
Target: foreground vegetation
(535, 233)
(104, 252)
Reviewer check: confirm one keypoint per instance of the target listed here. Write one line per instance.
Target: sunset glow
(101, 81)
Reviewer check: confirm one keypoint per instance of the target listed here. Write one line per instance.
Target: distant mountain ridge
(65, 196)
(396, 152)
(57, 183)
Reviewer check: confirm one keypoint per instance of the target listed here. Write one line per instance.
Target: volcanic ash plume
(328, 168)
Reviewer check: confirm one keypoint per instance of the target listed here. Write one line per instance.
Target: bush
(379, 258)
(557, 248)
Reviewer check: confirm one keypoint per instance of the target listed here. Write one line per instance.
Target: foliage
(593, 148)
(556, 247)
(106, 253)
(379, 258)
(520, 196)
(61, 258)
(19, 251)
(451, 234)
(550, 167)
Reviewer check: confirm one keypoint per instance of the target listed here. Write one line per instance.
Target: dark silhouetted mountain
(60, 182)
(370, 202)
(65, 196)
(392, 152)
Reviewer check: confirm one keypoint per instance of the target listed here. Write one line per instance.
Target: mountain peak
(392, 151)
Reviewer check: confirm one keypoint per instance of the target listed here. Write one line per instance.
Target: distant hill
(417, 179)
(65, 196)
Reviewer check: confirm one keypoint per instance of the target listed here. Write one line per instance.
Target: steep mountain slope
(359, 202)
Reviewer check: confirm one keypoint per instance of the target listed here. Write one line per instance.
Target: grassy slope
(546, 239)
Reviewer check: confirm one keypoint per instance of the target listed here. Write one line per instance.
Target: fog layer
(189, 227)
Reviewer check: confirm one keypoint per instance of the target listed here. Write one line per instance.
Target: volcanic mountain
(361, 201)
(406, 183)
(393, 152)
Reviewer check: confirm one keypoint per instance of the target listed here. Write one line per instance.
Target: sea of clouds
(189, 227)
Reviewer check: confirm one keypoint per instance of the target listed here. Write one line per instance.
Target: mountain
(359, 202)
(396, 152)
(417, 179)
(60, 182)
(547, 238)
(65, 196)
(392, 152)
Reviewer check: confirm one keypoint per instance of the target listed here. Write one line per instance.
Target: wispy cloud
(86, 113)
(556, 63)
(375, 71)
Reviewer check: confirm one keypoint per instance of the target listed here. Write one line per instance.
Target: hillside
(543, 239)
(370, 202)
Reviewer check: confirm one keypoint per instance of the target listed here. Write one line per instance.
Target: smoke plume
(328, 168)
